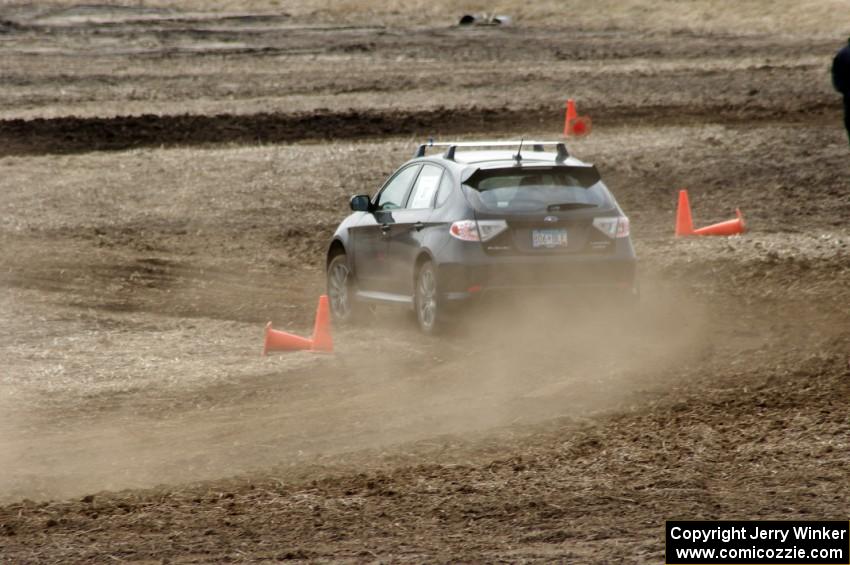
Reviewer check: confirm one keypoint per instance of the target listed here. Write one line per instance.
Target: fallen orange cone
(729, 227)
(575, 125)
(685, 224)
(322, 340)
(282, 341)
(580, 126)
(277, 340)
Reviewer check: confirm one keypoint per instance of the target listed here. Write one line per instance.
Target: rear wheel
(426, 300)
(340, 289)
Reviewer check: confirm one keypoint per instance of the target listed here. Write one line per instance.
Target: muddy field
(169, 184)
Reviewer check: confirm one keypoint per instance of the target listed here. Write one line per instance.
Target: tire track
(78, 135)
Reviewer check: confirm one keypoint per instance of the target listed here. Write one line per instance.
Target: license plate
(548, 239)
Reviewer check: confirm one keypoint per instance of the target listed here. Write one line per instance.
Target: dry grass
(744, 17)
(817, 18)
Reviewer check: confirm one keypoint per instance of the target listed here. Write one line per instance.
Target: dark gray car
(454, 227)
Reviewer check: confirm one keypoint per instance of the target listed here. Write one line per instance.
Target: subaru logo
(550, 219)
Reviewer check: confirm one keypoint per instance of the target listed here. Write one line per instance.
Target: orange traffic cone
(574, 124)
(322, 340)
(684, 222)
(570, 116)
(729, 227)
(580, 126)
(282, 341)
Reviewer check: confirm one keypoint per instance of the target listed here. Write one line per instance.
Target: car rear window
(540, 189)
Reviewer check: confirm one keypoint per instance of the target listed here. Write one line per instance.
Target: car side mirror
(360, 203)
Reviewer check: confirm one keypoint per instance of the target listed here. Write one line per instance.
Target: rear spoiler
(538, 146)
(588, 173)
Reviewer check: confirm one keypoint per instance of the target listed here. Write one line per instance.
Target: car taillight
(482, 230)
(623, 227)
(613, 227)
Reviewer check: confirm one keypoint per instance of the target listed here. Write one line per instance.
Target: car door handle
(418, 226)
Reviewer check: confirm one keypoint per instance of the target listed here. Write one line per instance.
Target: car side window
(426, 186)
(395, 191)
(445, 189)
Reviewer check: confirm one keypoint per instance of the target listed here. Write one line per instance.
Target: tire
(426, 300)
(340, 290)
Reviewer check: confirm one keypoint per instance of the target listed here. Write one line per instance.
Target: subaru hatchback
(476, 220)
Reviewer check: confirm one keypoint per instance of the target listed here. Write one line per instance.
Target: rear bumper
(467, 272)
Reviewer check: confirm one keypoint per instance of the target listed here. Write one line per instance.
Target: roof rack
(451, 146)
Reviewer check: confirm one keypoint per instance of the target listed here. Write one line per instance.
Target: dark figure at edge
(841, 80)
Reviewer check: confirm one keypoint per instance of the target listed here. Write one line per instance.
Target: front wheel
(340, 291)
(426, 300)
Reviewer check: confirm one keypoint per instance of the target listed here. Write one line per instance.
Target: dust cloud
(496, 367)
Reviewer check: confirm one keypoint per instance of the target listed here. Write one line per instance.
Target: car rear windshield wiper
(569, 206)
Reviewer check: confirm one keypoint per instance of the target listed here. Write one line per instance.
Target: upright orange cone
(569, 117)
(283, 341)
(575, 125)
(684, 221)
(322, 340)
(729, 227)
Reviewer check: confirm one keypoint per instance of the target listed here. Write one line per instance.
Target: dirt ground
(169, 184)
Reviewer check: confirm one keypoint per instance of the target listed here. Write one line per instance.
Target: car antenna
(518, 155)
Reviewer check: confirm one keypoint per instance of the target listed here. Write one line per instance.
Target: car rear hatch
(542, 210)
